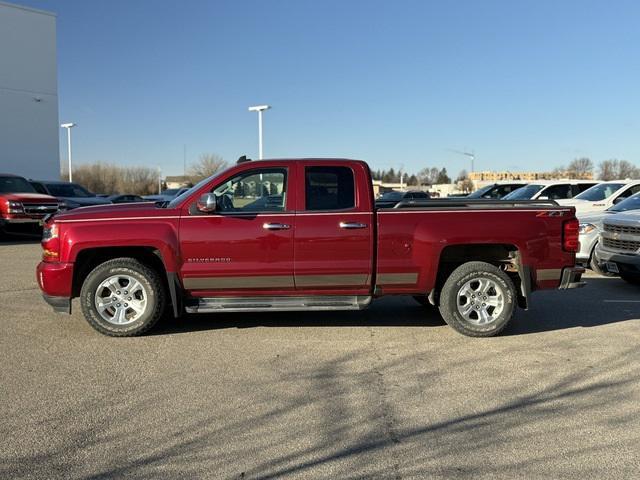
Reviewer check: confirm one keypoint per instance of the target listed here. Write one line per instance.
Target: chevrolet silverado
(304, 234)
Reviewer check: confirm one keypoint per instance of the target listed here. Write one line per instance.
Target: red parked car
(304, 234)
(21, 206)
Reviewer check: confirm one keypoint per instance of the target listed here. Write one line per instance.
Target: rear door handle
(276, 226)
(352, 225)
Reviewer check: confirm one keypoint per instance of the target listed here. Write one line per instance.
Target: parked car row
(25, 203)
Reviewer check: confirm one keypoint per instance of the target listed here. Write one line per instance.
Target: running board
(276, 304)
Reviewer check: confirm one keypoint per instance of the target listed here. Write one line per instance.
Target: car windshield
(391, 196)
(524, 193)
(599, 192)
(631, 203)
(68, 190)
(480, 192)
(15, 185)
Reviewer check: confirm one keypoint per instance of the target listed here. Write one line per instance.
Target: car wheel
(122, 297)
(632, 279)
(478, 299)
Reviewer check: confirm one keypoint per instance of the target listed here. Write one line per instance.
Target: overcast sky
(526, 85)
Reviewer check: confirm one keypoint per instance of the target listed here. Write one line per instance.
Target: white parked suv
(603, 195)
(551, 190)
(618, 251)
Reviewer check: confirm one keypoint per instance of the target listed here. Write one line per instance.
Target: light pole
(259, 109)
(159, 180)
(471, 155)
(69, 126)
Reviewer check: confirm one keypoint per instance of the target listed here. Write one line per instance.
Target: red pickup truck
(21, 205)
(274, 235)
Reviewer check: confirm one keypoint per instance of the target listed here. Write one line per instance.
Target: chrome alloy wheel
(120, 299)
(480, 301)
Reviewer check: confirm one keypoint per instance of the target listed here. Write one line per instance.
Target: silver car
(591, 226)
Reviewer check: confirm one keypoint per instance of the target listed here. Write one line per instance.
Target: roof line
(28, 9)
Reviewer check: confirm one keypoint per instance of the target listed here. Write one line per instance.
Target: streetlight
(471, 155)
(69, 126)
(259, 109)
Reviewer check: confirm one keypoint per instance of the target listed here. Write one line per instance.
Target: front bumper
(571, 278)
(627, 263)
(56, 281)
(59, 304)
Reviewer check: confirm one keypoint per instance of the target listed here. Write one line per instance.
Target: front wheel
(478, 299)
(122, 297)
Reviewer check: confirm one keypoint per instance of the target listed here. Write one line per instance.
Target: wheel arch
(89, 258)
(505, 256)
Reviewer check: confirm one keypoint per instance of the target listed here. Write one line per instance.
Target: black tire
(422, 300)
(632, 279)
(153, 290)
(468, 272)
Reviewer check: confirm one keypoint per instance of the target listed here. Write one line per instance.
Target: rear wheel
(122, 297)
(477, 299)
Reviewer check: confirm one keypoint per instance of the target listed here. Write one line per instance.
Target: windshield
(392, 196)
(524, 193)
(599, 192)
(170, 191)
(631, 203)
(68, 190)
(480, 192)
(15, 185)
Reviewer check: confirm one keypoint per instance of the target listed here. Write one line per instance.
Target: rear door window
(329, 188)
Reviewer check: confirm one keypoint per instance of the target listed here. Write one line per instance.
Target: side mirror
(618, 200)
(207, 203)
(544, 197)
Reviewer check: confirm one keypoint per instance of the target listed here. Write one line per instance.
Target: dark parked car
(496, 190)
(392, 198)
(71, 195)
(125, 198)
(167, 195)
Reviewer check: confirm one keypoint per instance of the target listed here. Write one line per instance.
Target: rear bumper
(571, 278)
(59, 304)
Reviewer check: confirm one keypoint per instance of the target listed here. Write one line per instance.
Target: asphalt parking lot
(390, 392)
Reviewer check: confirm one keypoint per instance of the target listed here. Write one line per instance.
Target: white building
(29, 141)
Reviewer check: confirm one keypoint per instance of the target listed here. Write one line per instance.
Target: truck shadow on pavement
(357, 414)
(19, 238)
(603, 301)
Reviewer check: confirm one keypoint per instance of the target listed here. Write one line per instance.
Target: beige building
(489, 176)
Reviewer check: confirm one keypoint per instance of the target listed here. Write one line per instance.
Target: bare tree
(109, 178)
(207, 165)
(580, 168)
(463, 175)
(428, 176)
(466, 185)
(617, 169)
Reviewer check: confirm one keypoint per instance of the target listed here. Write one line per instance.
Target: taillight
(571, 235)
(50, 243)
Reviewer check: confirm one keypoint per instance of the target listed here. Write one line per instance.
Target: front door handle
(352, 225)
(276, 226)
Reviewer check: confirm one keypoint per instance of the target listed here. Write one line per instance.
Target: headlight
(586, 228)
(15, 207)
